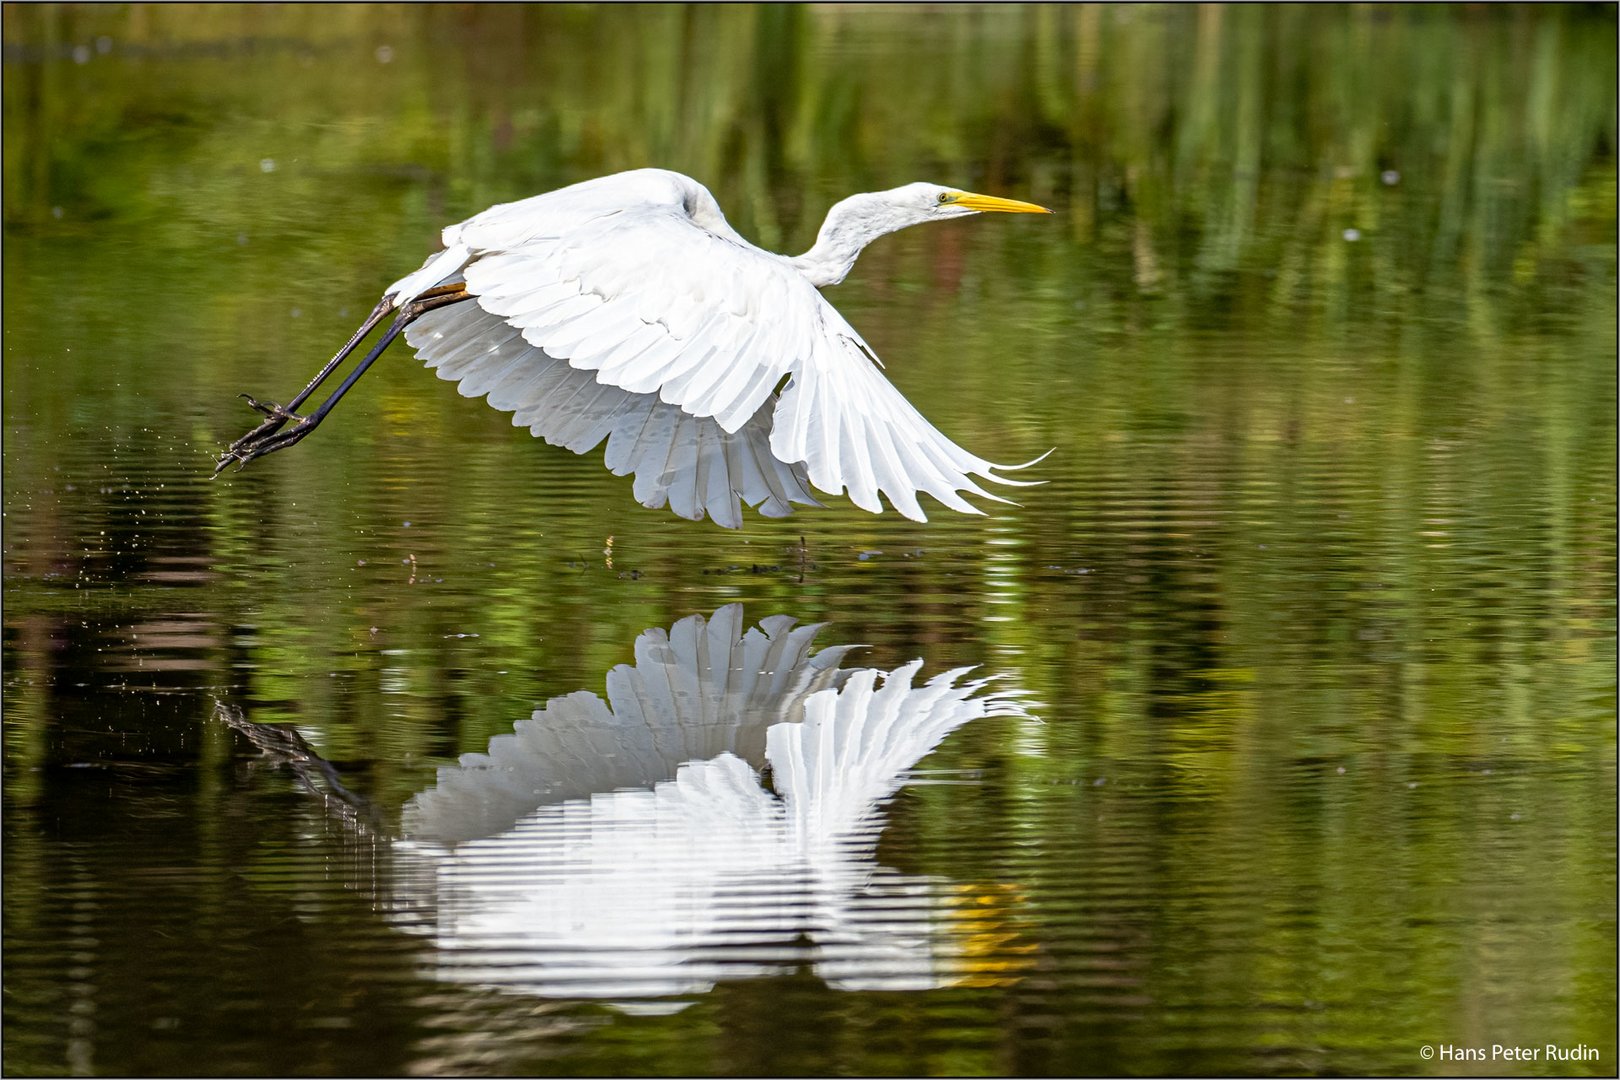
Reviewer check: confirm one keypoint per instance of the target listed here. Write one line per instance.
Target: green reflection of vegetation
(1324, 338)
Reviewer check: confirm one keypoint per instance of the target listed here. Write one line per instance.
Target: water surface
(1299, 749)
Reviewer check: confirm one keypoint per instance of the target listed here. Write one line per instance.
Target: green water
(1314, 614)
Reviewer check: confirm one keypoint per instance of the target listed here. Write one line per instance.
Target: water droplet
(1352, 235)
(267, 165)
(1390, 177)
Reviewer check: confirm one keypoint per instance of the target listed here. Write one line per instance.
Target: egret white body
(625, 309)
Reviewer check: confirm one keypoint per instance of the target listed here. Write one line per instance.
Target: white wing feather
(856, 742)
(569, 408)
(652, 303)
(706, 687)
(626, 308)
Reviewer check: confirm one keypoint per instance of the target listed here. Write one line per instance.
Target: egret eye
(944, 197)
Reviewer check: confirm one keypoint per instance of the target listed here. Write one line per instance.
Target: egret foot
(270, 408)
(255, 444)
(268, 437)
(278, 416)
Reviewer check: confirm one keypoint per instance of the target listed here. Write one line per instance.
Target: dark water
(1299, 754)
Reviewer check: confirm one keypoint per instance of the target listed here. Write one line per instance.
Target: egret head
(860, 219)
(932, 202)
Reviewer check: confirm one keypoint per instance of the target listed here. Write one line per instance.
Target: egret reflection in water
(716, 817)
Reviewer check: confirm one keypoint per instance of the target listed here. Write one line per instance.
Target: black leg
(268, 436)
(279, 415)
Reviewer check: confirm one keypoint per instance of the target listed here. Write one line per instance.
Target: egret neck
(861, 219)
(851, 224)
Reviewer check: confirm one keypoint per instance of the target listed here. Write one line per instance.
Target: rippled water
(1273, 733)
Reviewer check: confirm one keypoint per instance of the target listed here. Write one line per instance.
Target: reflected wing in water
(716, 816)
(707, 687)
(667, 888)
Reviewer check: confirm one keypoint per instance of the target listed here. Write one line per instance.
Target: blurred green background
(1321, 583)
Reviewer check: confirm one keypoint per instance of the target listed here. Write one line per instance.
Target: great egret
(625, 308)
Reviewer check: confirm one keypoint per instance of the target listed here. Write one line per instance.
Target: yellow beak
(971, 201)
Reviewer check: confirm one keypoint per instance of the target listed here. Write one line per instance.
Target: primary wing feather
(567, 407)
(627, 309)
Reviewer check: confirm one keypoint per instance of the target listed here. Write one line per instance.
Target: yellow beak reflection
(989, 202)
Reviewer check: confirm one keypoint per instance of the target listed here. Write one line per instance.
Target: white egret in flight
(626, 309)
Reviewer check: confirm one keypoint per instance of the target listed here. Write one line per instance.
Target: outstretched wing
(686, 462)
(856, 742)
(637, 280)
(705, 687)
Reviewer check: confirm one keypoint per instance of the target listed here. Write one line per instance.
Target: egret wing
(703, 688)
(856, 742)
(854, 430)
(688, 463)
(655, 304)
(697, 328)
